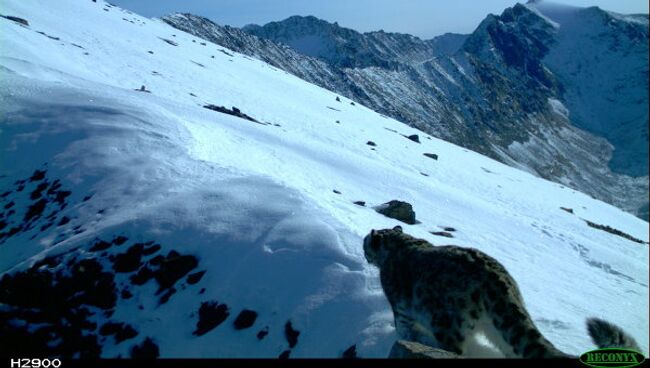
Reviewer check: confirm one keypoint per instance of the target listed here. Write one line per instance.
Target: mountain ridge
(472, 98)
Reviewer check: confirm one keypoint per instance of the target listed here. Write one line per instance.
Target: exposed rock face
(234, 112)
(398, 210)
(403, 349)
(346, 48)
(16, 19)
(211, 315)
(414, 138)
(502, 91)
(147, 350)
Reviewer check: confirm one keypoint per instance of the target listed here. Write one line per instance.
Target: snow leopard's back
(443, 296)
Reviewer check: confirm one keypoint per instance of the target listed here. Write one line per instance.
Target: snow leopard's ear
(375, 240)
(398, 228)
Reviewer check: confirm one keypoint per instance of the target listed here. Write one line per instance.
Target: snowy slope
(489, 91)
(144, 191)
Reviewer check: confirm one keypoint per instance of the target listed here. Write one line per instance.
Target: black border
(338, 363)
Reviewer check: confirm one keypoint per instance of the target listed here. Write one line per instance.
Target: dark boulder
(38, 175)
(350, 353)
(414, 137)
(147, 350)
(100, 245)
(245, 319)
(234, 112)
(173, 267)
(129, 261)
(121, 331)
(195, 277)
(169, 41)
(291, 334)
(262, 333)
(569, 210)
(442, 233)
(211, 315)
(398, 210)
(16, 19)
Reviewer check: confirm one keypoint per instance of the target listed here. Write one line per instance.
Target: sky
(422, 18)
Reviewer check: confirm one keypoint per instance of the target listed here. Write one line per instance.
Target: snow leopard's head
(377, 244)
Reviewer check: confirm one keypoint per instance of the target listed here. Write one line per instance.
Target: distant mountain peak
(495, 91)
(341, 46)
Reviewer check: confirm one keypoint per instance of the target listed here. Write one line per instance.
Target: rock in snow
(398, 210)
(16, 19)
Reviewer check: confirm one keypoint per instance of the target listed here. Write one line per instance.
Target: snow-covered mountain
(512, 90)
(164, 195)
(601, 60)
(346, 48)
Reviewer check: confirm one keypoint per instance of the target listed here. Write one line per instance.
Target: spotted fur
(444, 296)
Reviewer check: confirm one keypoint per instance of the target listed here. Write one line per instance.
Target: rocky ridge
(492, 91)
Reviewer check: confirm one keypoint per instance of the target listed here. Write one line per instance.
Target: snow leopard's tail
(608, 335)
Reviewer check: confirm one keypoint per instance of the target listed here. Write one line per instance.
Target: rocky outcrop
(234, 112)
(398, 210)
(15, 19)
(403, 349)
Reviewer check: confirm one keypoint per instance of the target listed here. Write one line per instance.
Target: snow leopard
(444, 296)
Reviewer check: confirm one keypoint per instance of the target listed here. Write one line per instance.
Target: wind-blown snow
(255, 202)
